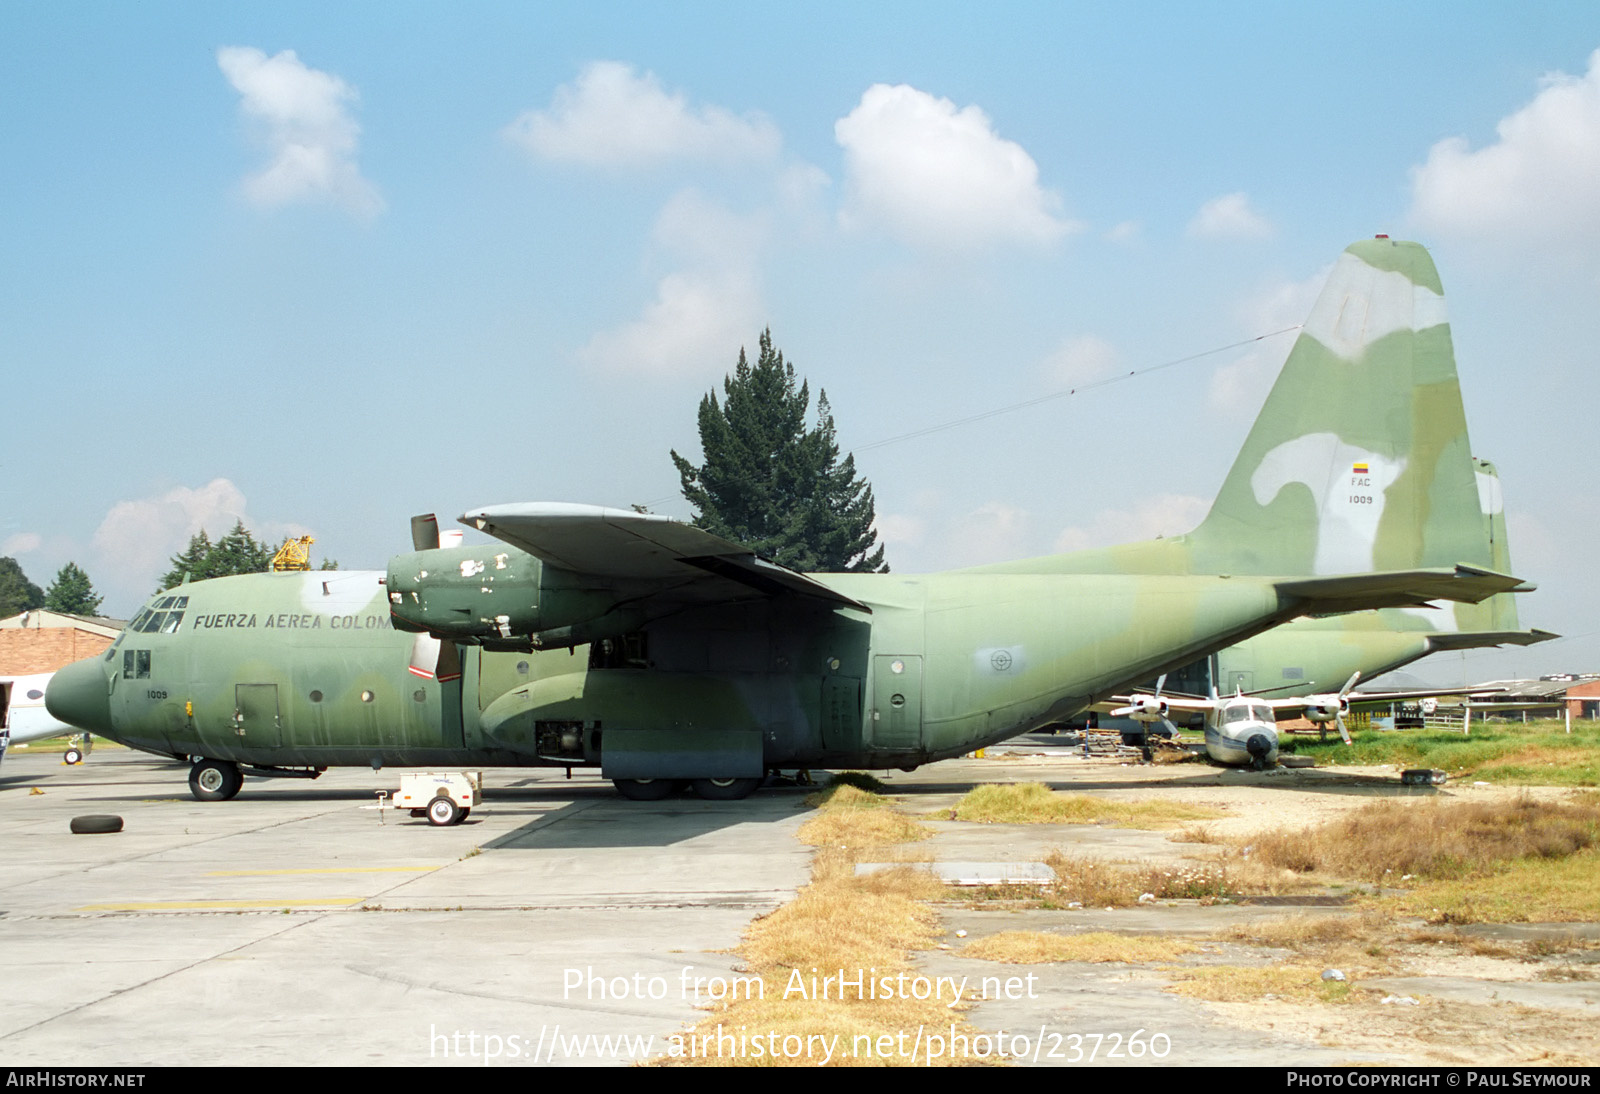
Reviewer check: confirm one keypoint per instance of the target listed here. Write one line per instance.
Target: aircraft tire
(443, 812)
(644, 790)
(214, 780)
(72, 757)
(96, 824)
(725, 790)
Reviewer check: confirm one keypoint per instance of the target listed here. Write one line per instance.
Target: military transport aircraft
(661, 653)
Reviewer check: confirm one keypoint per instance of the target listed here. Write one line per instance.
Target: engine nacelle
(488, 592)
(1325, 708)
(1146, 708)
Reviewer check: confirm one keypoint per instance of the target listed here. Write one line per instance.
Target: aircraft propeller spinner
(1323, 709)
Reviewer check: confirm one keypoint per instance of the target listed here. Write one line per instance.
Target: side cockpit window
(135, 664)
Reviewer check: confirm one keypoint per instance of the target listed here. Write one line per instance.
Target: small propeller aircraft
(1242, 730)
(664, 655)
(24, 718)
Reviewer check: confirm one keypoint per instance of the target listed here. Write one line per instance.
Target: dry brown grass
(1039, 947)
(851, 818)
(1272, 983)
(1522, 860)
(1095, 883)
(1435, 841)
(1035, 803)
(840, 927)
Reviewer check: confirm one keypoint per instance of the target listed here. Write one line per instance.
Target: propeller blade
(449, 663)
(1350, 683)
(425, 532)
(432, 659)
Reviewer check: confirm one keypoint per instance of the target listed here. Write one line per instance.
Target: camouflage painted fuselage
(306, 670)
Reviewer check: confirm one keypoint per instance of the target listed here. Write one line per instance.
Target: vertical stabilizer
(1359, 460)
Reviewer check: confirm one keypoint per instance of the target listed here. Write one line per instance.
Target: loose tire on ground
(96, 824)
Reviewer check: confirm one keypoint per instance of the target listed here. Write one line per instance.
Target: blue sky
(322, 267)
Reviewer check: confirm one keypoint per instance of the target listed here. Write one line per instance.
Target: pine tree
(773, 485)
(17, 593)
(238, 552)
(191, 564)
(72, 592)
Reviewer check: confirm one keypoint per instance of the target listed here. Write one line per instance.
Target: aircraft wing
(620, 544)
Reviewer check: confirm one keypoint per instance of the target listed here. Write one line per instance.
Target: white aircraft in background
(1242, 729)
(24, 718)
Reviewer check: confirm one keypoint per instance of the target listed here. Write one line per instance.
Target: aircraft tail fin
(1359, 460)
(1492, 622)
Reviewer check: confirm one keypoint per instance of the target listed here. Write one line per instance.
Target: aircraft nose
(79, 695)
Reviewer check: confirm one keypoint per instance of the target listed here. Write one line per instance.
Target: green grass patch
(1035, 803)
(1530, 890)
(1534, 753)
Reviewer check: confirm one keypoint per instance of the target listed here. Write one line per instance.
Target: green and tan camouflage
(660, 653)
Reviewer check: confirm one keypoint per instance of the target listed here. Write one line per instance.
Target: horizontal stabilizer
(1395, 589)
(1469, 640)
(619, 544)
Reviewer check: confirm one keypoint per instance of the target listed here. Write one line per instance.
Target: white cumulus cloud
(1239, 387)
(1081, 360)
(137, 538)
(940, 177)
(1540, 178)
(20, 544)
(614, 116)
(703, 310)
(1229, 217)
(302, 116)
(1163, 515)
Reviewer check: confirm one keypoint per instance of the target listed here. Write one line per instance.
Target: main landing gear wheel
(72, 756)
(214, 780)
(644, 790)
(725, 790)
(442, 811)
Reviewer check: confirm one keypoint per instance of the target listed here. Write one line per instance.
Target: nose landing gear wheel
(214, 780)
